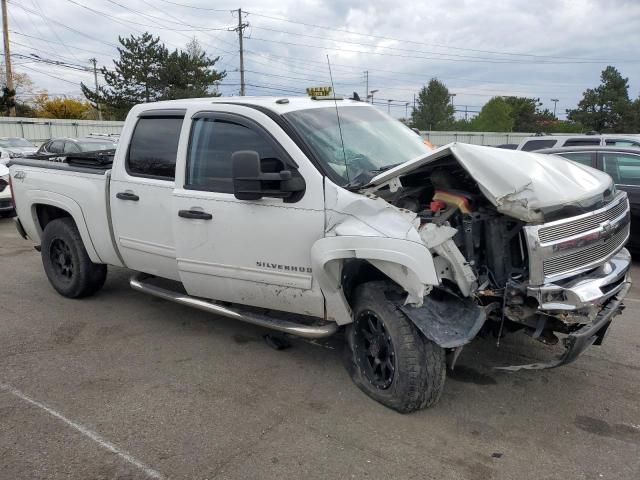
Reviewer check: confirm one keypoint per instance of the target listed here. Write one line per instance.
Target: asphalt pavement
(125, 386)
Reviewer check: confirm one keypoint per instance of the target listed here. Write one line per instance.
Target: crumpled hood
(520, 184)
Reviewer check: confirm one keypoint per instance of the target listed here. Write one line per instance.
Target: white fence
(41, 129)
(477, 138)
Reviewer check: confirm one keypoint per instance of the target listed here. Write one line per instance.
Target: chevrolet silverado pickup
(311, 216)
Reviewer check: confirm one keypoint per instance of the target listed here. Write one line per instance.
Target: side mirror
(251, 183)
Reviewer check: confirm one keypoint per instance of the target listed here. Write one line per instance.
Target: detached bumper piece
(449, 322)
(579, 341)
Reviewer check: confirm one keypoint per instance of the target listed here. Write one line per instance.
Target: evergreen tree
(136, 77)
(189, 73)
(607, 107)
(433, 110)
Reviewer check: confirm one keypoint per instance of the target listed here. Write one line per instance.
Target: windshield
(95, 146)
(15, 142)
(372, 140)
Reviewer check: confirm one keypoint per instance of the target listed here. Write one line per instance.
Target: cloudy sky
(479, 48)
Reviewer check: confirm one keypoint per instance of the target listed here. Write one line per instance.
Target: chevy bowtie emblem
(607, 227)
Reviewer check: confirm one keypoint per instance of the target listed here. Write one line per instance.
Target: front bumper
(581, 298)
(592, 300)
(578, 341)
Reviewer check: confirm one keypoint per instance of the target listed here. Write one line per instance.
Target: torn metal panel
(449, 322)
(579, 341)
(349, 213)
(519, 184)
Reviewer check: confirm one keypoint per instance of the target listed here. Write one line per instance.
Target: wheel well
(48, 213)
(356, 272)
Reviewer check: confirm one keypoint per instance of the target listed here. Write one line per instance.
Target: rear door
(624, 168)
(252, 252)
(141, 194)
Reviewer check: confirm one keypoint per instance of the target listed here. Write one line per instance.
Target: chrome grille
(582, 225)
(587, 255)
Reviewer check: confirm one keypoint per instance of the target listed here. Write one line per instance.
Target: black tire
(415, 368)
(66, 263)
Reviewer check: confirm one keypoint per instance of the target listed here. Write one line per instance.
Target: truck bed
(78, 184)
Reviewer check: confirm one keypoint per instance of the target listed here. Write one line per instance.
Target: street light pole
(555, 102)
(406, 110)
(389, 106)
(371, 96)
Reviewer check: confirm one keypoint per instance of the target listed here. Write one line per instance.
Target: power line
(198, 8)
(382, 37)
(341, 40)
(43, 16)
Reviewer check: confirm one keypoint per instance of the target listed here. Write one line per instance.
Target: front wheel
(388, 358)
(66, 262)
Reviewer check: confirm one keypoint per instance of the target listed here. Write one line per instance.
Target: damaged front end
(519, 241)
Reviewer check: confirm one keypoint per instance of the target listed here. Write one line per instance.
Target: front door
(252, 252)
(141, 195)
(624, 168)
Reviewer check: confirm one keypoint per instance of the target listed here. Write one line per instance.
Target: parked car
(508, 146)
(622, 164)
(64, 146)
(264, 211)
(12, 147)
(6, 204)
(530, 144)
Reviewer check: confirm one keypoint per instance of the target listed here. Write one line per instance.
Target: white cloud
(450, 39)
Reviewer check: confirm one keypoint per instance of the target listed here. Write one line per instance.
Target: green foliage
(147, 72)
(433, 109)
(7, 100)
(607, 108)
(188, 74)
(495, 116)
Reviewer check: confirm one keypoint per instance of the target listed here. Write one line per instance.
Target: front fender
(408, 263)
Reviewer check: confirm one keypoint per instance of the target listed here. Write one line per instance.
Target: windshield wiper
(386, 167)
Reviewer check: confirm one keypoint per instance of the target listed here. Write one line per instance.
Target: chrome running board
(138, 283)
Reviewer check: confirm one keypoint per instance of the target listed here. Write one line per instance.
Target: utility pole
(366, 79)
(240, 30)
(7, 57)
(406, 111)
(555, 102)
(465, 113)
(95, 79)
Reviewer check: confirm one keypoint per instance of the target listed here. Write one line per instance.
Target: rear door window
(579, 142)
(154, 147)
(532, 145)
(70, 147)
(585, 158)
(624, 168)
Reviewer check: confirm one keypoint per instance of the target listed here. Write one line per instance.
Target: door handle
(127, 196)
(195, 214)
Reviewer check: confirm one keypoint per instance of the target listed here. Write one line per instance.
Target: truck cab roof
(280, 105)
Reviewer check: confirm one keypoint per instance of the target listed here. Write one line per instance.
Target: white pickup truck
(307, 215)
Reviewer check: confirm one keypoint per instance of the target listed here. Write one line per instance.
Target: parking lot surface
(125, 386)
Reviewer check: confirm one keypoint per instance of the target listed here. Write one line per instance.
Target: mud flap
(449, 321)
(579, 341)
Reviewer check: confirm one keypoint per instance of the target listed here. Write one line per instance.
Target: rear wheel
(388, 358)
(66, 262)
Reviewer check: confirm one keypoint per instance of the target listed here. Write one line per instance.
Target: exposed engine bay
(479, 252)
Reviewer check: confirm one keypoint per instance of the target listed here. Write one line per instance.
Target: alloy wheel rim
(374, 350)
(62, 259)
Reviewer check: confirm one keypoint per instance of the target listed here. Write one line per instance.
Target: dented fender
(410, 264)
